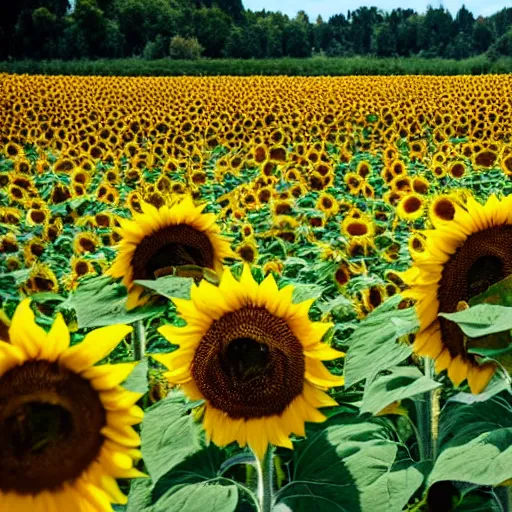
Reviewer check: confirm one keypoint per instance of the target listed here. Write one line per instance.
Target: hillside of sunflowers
(255, 293)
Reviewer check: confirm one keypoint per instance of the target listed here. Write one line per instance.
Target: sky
(327, 8)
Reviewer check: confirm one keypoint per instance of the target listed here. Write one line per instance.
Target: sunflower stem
(427, 414)
(138, 341)
(265, 470)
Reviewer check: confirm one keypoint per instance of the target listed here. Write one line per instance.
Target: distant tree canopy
(75, 29)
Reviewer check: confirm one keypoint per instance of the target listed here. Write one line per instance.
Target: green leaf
(171, 287)
(100, 301)
(341, 305)
(482, 319)
(478, 501)
(139, 498)
(302, 292)
(499, 293)
(13, 279)
(401, 382)
(200, 498)
(373, 345)
(137, 381)
(44, 297)
(349, 465)
(486, 460)
(475, 441)
(169, 437)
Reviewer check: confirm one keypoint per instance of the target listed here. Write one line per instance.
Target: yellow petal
(24, 332)
(323, 352)
(108, 376)
(479, 377)
(458, 370)
(317, 374)
(57, 341)
(95, 346)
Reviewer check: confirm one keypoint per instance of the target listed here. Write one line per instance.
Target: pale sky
(327, 8)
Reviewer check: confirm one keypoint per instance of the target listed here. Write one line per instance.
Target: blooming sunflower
(168, 237)
(462, 259)
(254, 357)
(66, 425)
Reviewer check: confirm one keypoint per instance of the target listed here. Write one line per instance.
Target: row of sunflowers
(252, 231)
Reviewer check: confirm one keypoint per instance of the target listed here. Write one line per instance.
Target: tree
(323, 34)
(141, 20)
(92, 25)
(44, 33)
(407, 36)
(212, 27)
(364, 20)
(463, 22)
(296, 39)
(384, 41)
(435, 32)
(461, 47)
(233, 8)
(482, 36)
(502, 21)
(185, 48)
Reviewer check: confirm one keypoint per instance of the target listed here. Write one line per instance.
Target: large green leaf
(478, 501)
(373, 346)
(137, 381)
(200, 498)
(399, 383)
(169, 437)
(139, 498)
(486, 460)
(302, 292)
(348, 465)
(482, 319)
(100, 301)
(475, 441)
(171, 287)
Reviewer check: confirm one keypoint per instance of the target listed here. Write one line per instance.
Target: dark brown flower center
(173, 246)
(444, 209)
(484, 259)
(50, 426)
(249, 364)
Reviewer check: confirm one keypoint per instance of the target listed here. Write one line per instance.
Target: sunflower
(66, 425)
(442, 209)
(410, 207)
(327, 203)
(86, 242)
(359, 229)
(5, 323)
(461, 260)
(159, 239)
(254, 357)
(248, 249)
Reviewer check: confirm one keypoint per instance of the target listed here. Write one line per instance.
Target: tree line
(154, 29)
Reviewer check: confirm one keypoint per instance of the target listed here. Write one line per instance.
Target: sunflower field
(255, 293)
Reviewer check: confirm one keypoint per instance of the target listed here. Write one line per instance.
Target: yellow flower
(66, 424)
(158, 239)
(462, 258)
(254, 357)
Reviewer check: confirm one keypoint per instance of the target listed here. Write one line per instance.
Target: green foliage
(349, 464)
(374, 345)
(284, 66)
(185, 48)
(116, 28)
(397, 384)
(476, 441)
(100, 301)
